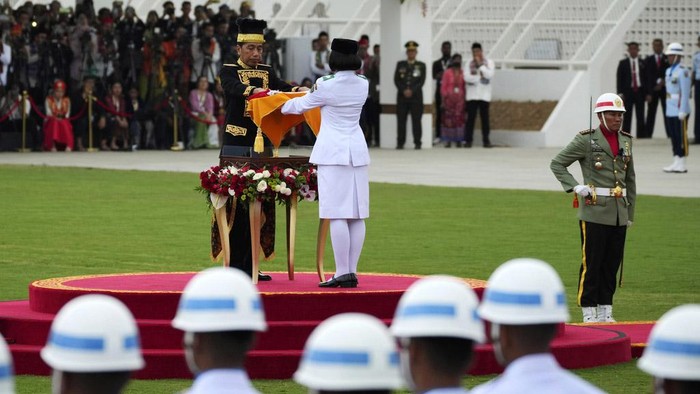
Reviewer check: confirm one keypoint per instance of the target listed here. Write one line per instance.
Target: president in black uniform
(409, 78)
(239, 81)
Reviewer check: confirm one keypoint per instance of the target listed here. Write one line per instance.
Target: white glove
(629, 223)
(582, 190)
(682, 115)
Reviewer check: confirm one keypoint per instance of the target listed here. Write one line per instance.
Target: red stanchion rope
(194, 116)
(44, 116)
(111, 111)
(12, 108)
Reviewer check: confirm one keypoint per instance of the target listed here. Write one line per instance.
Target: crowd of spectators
(139, 72)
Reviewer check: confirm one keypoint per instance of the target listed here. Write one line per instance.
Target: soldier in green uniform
(240, 80)
(607, 208)
(409, 78)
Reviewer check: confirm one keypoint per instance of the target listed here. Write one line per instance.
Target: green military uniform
(603, 216)
(411, 76)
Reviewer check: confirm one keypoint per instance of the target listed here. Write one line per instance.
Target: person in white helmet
(220, 312)
(437, 326)
(609, 193)
(672, 355)
(93, 346)
(525, 301)
(7, 381)
(350, 353)
(677, 107)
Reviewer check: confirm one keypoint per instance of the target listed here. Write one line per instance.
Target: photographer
(168, 22)
(178, 51)
(206, 54)
(106, 54)
(130, 31)
(83, 42)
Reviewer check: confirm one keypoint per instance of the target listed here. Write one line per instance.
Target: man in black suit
(631, 80)
(244, 78)
(439, 67)
(656, 65)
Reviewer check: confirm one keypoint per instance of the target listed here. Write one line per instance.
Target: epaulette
(230, 65)
(264, 65)
(626, 134)
(584, 132)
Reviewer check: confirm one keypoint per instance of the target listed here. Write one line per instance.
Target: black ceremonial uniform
(238, 81)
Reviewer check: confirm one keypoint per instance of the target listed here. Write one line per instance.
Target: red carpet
(293, 310)
(637, 331)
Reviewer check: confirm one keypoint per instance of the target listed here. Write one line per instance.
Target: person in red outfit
(58, 131)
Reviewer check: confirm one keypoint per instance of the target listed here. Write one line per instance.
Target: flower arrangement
(263, 184)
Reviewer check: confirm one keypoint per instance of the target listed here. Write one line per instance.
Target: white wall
(531, 85)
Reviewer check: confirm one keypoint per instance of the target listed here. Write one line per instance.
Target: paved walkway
(504, 168)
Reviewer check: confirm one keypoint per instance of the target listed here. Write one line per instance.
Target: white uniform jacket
(537, 373)
(222, 381)
(340, 140)
(678, 84)
(479, 84)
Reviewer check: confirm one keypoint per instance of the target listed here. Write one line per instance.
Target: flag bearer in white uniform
(677, 107)
(672, 355)
(342, 157)
(525, 301)
(437, 326)
(220, 312)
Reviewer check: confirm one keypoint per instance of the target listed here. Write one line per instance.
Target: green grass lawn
(61, 222)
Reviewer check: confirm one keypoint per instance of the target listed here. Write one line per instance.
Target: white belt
(609, 192)
(673, 96)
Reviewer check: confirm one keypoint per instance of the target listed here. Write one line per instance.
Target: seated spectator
(139, 121)
(81, 123)
(58, 131)
(202, 104)
(117, 125)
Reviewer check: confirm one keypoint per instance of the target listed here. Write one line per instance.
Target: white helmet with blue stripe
(673, 351)
(524, 291)
(350, 351)
(93, 333)
(438, 306)
(7, 383)
(220, 299)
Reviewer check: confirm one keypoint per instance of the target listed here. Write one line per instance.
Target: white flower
(277, 188)
(249, 173)
(232, 192)
(283, 185)
(266, 174)
(311, 196)
(257, 176)
(232, 169)
(287, 171)
(287, 191)
(262, 186)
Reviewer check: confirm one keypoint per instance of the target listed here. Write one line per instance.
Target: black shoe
(487, 145)
(417, 147)
(263, 277)
(399, 147)
(467, 144)
(347, 280)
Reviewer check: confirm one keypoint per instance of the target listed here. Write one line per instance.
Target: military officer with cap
(677, 107)
(409, 78)
(240, 80)
(607, 210)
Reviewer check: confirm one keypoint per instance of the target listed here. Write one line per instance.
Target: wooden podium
(242, 156)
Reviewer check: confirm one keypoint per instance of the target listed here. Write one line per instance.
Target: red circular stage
(293, 309)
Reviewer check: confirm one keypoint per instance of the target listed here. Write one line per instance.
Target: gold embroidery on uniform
(583, 263)
(245, 76)
(236, 131)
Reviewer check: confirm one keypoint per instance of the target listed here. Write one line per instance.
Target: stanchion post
(24, 149)
(176, 146)
(90, 148)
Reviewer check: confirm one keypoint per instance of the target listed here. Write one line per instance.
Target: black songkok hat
(344, 46)
(250, 30)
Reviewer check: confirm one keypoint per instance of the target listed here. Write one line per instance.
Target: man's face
(323, 43)
(411, 54)
(657, 46)
(208, 32)
(250, 53)
(673, 58)
(633, 50)
(477, 53)
(613, 119)
(186, 8)
(446, 50)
